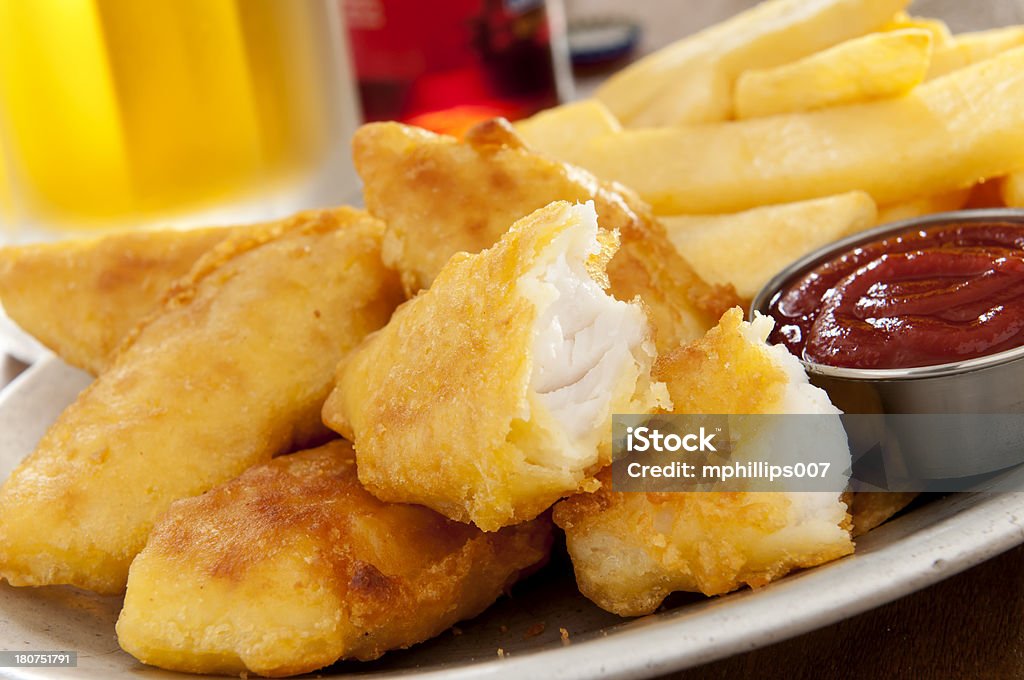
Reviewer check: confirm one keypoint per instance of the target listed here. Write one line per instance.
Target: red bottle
(446, 65)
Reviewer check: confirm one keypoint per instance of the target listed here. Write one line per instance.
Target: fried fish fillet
(630, 550)
(439, 196)
(869, 509)
(233, 370)
(487, 397)
(81, 298)
(293, 566)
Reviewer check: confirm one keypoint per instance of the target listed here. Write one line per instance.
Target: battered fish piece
(232, 371)
(293, 566)
(870, 509)
(630, 550)
(489, 396)
(439, 196)
(81, 298)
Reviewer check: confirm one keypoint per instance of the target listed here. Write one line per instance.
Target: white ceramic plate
(920, 548)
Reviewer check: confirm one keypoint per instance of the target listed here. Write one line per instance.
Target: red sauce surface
(923, 297)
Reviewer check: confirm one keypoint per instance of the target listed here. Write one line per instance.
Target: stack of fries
(796, 123)
(468, 337)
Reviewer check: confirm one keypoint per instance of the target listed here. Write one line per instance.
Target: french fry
(691, 80)
(927, 205)
(941, 35)
(969, 48)
(942, 136)
(564, 131)
(746, 249)
(874, 66)
(1012, 190)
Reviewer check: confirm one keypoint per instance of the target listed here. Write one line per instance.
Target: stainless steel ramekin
(991, 384)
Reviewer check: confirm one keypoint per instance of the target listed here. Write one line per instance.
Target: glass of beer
(117, 113)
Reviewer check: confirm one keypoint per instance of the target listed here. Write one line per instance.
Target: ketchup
(918, 298)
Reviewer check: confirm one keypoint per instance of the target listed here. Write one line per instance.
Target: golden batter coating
(870, 509)
(489, 395)
(630, 550)
(720, 374)
(232, 370)
(81, 298)
(293, 566)
(439, 196)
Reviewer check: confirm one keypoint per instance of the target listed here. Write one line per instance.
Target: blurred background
(121, 114)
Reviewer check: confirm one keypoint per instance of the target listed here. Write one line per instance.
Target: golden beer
(121, 110)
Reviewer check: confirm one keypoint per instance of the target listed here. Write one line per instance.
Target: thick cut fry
(965, 49)
(293, 565)
(746, 249)
(630, 550)
(81, 298)
(918, 207)
(941, 35)
(875, 66)
(439, 197)
(691, 81)
(489, 396)
(563, 131)
(1012, 190)
(942, 136)
(232, 371)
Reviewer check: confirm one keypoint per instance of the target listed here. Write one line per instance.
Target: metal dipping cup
(990, 388)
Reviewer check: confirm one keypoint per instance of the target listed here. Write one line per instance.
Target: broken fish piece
(489, 396)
